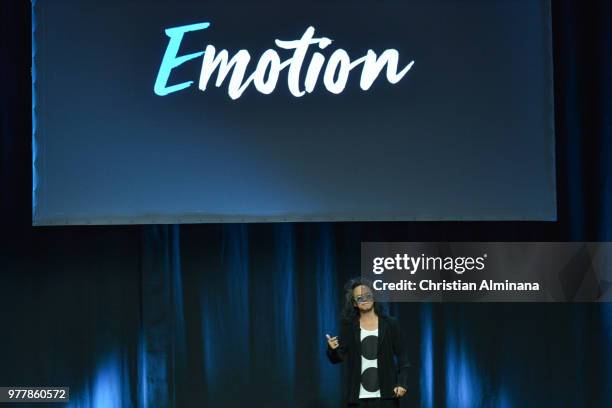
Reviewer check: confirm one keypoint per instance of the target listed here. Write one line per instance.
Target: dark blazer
(391, 344)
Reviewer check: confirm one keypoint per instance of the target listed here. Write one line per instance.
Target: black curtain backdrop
(227, 315)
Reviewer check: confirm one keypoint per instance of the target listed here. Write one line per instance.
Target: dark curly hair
(349, 310)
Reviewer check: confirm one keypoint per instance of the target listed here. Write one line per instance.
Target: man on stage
(368, 342)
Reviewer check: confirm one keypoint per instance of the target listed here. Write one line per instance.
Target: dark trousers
(376, 403)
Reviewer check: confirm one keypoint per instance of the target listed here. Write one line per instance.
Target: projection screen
(272, 111)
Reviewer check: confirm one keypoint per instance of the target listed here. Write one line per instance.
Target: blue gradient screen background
(467, 134)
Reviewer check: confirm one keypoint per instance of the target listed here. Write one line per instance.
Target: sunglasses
(366, 297)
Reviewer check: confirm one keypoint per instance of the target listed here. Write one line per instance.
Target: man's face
(363, 298)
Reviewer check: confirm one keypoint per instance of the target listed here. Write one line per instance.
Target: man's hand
(333, 342)
(399, 391)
